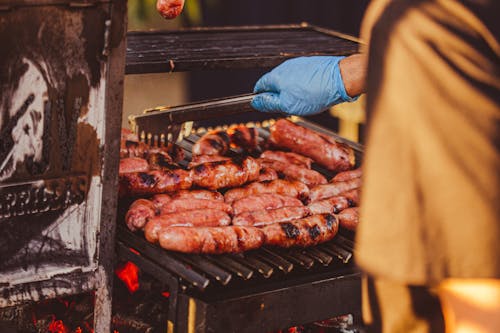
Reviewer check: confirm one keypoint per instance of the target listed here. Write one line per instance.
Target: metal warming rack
(268, 288)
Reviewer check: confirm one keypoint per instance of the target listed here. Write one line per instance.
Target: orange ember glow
(129, 274)
(166, 294)
(57, 326)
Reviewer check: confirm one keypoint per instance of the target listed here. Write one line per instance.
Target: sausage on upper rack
(264, 201)
(323, 191)
(211, 240)
(224, 174)
(290, 188)
(262, 217)
(333, 155)
(153, 182)
(294, 172)
(190, 218)
(307, 231)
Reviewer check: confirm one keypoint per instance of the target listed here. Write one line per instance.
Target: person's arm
(308, 85)
(353, 72)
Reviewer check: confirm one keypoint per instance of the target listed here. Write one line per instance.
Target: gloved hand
(301, 86)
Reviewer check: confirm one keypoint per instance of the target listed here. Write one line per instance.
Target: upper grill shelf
(230, 47)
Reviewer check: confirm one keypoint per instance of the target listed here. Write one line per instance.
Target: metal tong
(161, 125)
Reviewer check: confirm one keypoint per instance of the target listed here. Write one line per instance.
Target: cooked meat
(243, 137)
(287, 157)
(333, 189)
(353, 196)
(294, 172)
(212, 143)
(331, 205)
(307, 231)
(200, 159)
(179, 205)
(334, 156)
(264, 201)
(224, 174)
(169, 9)
(349, 218)
(133, 164)
(139, 212)
(211, 240)
(347, 175)
(293, 189)
(198, 194)
(267, 174)
(153, 182)
(262, 217)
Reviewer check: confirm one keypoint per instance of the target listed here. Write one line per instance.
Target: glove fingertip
(266, 102)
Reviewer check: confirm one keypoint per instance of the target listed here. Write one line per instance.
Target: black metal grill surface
(201, 271)
(230, 47)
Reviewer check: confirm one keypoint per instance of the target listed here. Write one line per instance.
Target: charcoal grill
(255, 291)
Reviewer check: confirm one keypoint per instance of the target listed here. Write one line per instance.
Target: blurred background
(146, 91)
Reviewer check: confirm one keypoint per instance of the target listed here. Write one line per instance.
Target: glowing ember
(166, 294)
(129, 274)
(57, 326)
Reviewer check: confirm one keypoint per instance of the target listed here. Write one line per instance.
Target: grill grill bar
(199, 270)
(230, 47)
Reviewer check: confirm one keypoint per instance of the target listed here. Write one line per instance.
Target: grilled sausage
(346, 175)
(264, 201)
(307, 231)
(267, 174)
(349, 218)
(212, 143)
(287, 157)
(139, 213)
(133, 164)
(293, 189)
(160, 161)
(211, 240)
(333, 189)
(169, 9)
(153, 182)
(190, 218)
(331, 205)
(243, 137)
(200, 159)
(224, 174)
(198, 194)
(334, 156)
(353, 196)
(262, 217)
(179, 205)
(294, 172)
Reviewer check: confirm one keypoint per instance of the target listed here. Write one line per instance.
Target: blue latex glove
(301, 86)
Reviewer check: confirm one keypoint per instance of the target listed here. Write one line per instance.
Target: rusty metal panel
(59, 130)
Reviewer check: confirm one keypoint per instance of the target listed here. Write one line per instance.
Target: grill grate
(230, 47)
(202, 271)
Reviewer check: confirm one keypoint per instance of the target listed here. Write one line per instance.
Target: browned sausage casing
(200, 159)
(293, 189)
(223, 174)
(331, 205)
(294, 172)
(307, 231)
(264, 201)
(198, 194)
(153, 182)
(267, 216)
(349, 218)
(190, 218)
(139, 212)
(212, 143)
(133, 164)
(179, 204)
(333, 189)
(334, 156)
(353, 196)
(169, 9)
(287, 157)
(211, 240)
(347, 175)
(267, 174)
